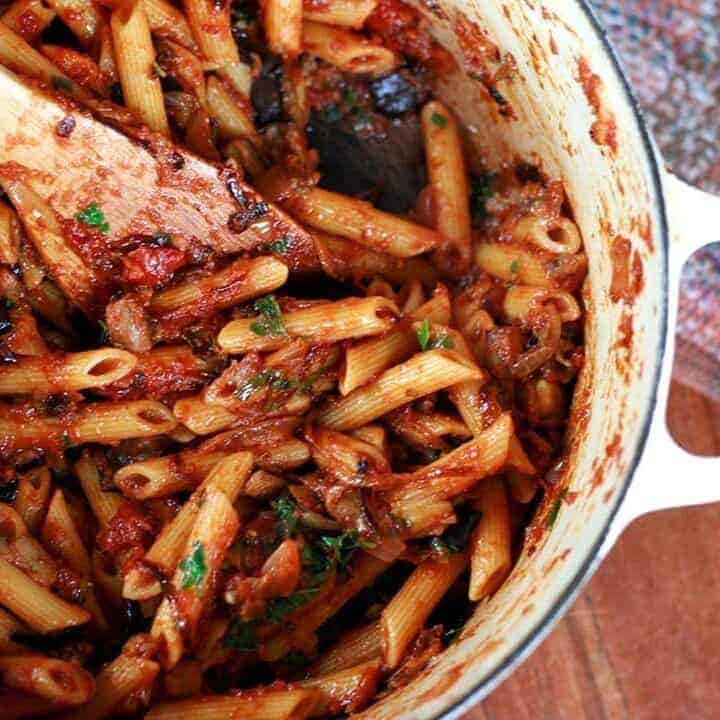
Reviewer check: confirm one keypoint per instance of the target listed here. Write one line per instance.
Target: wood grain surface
(643, 640)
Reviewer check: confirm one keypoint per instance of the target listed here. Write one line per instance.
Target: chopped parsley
(281, 246)
(275, 381)
(438, 120)
(428, 342)
(278, 609)
(457, 536)
(286, 510)
(193, 567)
(515, 266)
(240, 636)
(341, 547)
(482, 188)
(555, 508)
(61, 83)
(93, 216)
(270, 320)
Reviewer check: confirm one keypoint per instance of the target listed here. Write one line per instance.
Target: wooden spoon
(143, 184)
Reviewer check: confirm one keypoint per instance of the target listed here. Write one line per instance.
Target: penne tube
(557, 236)
(283, 24)
(210, 24)
(124, 676)
(521, 301)
(49, 678)
(323, 323)
(517, 459)
(82, 17)
(365, 570)
(514, 263)
(228, 476)
(423, 374)
(95, 422)
(240, 281)
(366, 360)
(348, 51)
(43, 228)
(34, 604)
(9, 625)
(283, 457)
(353, 219)
(268, 704)
(264, 485)
(67, 372)
(33, 496)
(196, 575)
(164, 476)
(342, 259)
(357, 646)
(28, 18)
(346, 13)
(166, 21)
(490, 545)
(406, 614)
(522, 488)
(135, 57)
(202, 418)
(422, 501)
(231, 111)
(9, 235)
(348, 690)
(103, 504)
(447, 177)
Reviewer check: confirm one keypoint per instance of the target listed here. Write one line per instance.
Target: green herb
(281, 246)
(341, 547)
(240, 636)
(286, 510)
(555, 508)
(515, 266)
(270, 320)
(316, 564)
(193, 567)
(438, 120)
(157, 70)
(296, 658)
(93, 216)
(10, 304)
(278, 609)
(61, 83)
(423, 334)
(457, 536)
(482, 188)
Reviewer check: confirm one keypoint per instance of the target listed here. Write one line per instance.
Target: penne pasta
(66, 372)
(490, 550)
(405, 615)
(448, 185)
(283, 23)
(347, 51)
(558, 236)
(210, 25)
(353, 219)
(423, 374)
(28, 18)
(135, 56)
(348, 690)
(360, 645)
(103, 504)
(323, 323)
(9, 235)
(346, 13)
(522, 301)
(33, 496)
(82, 17)
(231, 111)
(34, 604)
(167, 22)
(49, 678)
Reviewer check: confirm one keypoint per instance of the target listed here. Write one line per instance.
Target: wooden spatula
(143, 184)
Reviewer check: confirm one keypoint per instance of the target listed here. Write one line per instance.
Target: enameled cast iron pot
(569, 105)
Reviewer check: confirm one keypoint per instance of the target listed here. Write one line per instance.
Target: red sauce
(604, 129)
(151, 266)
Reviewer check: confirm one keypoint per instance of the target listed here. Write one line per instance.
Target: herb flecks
(93, 216)
(428, 341)
(555, 508)
(286, 510)
(269, 322)
(62, 83)
(193, 567)
(438, 120)
(278, 609)
(515, 266)
(482, 188)
(281, 246)
(341, 547)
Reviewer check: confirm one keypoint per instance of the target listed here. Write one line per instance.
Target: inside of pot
(562, 103)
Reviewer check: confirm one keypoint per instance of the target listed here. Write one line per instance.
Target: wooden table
(643, 640)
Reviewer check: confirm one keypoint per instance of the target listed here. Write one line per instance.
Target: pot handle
(669, 476)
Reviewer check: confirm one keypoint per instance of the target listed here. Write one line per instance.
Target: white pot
(622, 462)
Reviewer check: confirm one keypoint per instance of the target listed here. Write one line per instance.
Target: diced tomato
(151, 266)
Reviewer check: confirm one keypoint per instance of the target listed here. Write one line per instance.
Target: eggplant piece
(266, 92)
(386, 158)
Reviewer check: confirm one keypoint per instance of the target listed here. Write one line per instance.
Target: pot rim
(595, 556)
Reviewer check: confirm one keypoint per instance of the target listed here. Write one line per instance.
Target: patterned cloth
(671, 50)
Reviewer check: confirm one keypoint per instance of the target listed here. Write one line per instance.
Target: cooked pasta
(259, 484)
